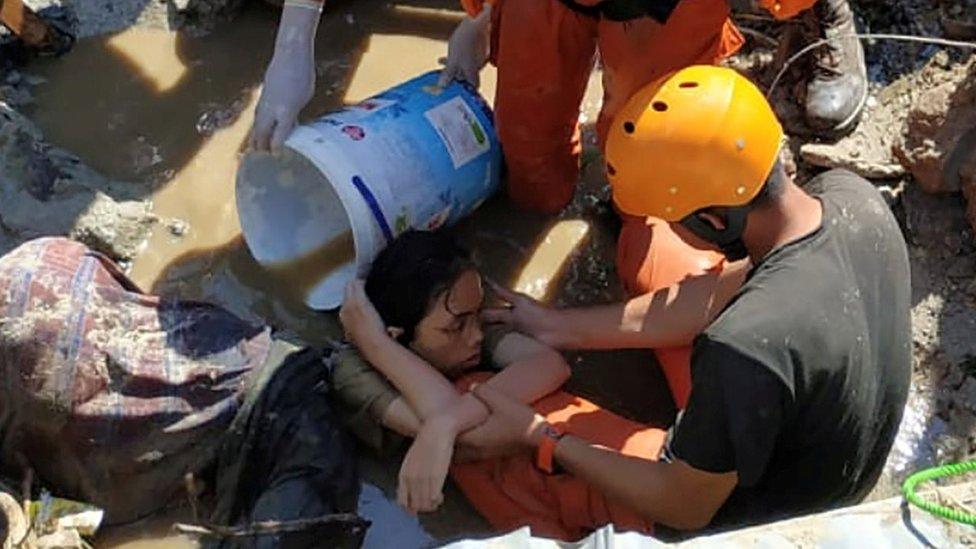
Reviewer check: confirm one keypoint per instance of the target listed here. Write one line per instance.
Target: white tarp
(886, 523)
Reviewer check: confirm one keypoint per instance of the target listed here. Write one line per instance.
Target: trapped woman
(417, 347)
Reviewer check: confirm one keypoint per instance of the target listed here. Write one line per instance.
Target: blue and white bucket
(415, 156)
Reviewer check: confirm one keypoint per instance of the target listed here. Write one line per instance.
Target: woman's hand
(358, 316)
(424, 469)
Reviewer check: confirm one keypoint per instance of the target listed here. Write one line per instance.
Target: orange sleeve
(473, 7)
(784, 9)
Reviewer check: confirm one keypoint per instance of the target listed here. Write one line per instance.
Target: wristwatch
(551, 436)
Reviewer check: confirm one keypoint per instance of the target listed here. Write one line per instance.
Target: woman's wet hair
(410, 274)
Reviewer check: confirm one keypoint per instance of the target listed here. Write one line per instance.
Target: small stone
(178, 227)
(350, 19)
(13, 78)
(845, 155)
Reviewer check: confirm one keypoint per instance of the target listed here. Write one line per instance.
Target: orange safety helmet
(702, 136)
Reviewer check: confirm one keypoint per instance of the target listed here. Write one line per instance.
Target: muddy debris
(177, 227)
(940, 132)
(48, 191)
(939, 140)
(17, 88)
(868, 150)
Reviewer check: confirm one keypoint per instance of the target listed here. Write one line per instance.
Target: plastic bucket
(414, 156)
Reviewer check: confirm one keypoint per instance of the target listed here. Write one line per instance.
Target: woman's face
(449, 337)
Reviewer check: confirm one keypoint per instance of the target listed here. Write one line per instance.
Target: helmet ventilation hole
(610, 169)
(688, 85)
(629, 127)
(659, 106)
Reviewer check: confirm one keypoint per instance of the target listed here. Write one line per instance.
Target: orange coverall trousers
(545, 51)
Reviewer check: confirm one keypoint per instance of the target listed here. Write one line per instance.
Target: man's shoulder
(841, 181)
(855, 197)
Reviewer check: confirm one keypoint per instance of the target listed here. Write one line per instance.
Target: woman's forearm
(526, 380)
(467, 412)
(424, 389)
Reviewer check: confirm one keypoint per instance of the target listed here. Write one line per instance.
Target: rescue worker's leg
(641, 51)
(649, 255)
(544, 53)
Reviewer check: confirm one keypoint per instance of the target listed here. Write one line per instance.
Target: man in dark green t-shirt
(800, 380)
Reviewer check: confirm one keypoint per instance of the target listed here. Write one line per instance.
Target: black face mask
(729, 239)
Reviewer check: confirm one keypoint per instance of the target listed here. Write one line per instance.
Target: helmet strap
(729, 239)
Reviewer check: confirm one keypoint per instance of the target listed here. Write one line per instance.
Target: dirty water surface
(169, 114)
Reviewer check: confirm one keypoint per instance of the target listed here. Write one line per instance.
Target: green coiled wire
(948, 513)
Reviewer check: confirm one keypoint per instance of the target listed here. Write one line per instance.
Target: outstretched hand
(522, 313)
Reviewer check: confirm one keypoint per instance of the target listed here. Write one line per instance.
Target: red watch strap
(547, 447)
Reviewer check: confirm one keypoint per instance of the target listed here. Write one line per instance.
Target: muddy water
(170, 112)
(304, 273)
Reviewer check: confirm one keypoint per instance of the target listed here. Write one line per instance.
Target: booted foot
(838, 90)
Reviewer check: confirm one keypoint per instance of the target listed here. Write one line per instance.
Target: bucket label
(460, 131)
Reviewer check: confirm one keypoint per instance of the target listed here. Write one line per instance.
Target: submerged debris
(47, 191)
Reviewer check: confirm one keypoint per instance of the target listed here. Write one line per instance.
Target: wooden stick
(271, 526)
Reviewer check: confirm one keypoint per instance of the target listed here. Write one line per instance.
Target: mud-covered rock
(47, 191)
(967, 181)
(939, 137)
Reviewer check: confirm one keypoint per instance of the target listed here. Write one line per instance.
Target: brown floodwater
(169, 113)
(300, 275)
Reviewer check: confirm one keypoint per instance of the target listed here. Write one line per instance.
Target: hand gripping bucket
(414, 156)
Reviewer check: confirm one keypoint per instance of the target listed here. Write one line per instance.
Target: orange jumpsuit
(651, 256)
(545, 51)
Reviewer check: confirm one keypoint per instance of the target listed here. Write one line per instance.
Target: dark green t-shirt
(799, 385)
